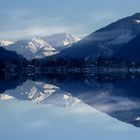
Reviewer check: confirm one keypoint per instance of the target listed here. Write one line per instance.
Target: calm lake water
(68, 108)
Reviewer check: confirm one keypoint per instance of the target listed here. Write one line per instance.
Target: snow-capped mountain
(39, 47)
(61, 41)
(106, 41)
(34, 48)
(5, 43)
(40, 92)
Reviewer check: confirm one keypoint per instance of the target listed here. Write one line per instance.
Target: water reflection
(118, 98)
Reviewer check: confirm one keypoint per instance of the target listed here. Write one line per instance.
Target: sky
(26, 18)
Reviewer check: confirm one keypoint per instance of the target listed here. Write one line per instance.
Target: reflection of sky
(25, 120)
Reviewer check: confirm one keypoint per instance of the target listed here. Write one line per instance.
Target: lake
(70, 107)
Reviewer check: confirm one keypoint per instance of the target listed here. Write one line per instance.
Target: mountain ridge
(40, 47)
(103, 41)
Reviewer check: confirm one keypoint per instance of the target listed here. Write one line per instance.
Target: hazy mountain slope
(130, 51)
(103, 42)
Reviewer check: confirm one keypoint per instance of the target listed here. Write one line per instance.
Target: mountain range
(40, 92)
(39, 47)
(61, 41)
(117, 40)
(107, 41)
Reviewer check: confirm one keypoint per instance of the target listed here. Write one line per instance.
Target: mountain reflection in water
(118, 98)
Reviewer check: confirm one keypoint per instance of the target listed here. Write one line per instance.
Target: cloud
(103, 18)
(31, 31)
(25, 23)
(100, 16)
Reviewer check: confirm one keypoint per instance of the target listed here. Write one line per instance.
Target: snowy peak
(38, 47)
(5, 43)
(34, 48)
(67, 39)
(37, 43)
(61, 40)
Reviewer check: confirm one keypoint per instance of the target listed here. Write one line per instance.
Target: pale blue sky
(23, 18)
